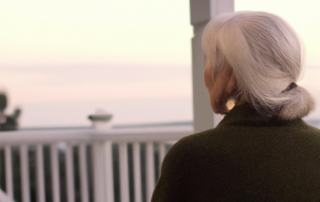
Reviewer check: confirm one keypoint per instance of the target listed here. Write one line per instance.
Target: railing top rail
(92, 134)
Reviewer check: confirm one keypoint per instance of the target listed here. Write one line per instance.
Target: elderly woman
(262, 150)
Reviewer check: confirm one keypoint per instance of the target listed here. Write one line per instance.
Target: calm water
(65, 96)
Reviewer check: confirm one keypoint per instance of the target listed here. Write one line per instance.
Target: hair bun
(291, 86)
(299, 105)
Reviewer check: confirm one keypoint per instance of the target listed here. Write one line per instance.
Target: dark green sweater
(247, 157)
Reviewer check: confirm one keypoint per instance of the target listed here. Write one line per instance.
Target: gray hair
(266, 56)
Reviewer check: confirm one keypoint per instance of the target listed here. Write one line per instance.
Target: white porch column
(201, 12)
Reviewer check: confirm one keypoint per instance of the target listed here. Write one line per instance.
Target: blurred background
(60, 61)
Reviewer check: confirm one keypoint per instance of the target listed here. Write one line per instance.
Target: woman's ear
(231, 85)
(223, 88)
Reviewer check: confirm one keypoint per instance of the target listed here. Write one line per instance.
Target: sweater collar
(247, 115)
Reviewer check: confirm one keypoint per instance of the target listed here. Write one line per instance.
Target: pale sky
(45, 42)
(55, 52)
(94, 32)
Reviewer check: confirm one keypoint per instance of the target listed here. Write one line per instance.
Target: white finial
(101, 119)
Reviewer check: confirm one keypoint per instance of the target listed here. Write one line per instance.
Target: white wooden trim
(150, 176)
(77, 136)
(40, 174)
(8, 164)
(137, 172)
(25, 173)
(202, 112)
(98, 172)
(4, 197)
(103, 161)
(204, 10)
(124, 175)
(83, 173)
(55, 173)
(70, 173)
(108, 172)
(201, 12)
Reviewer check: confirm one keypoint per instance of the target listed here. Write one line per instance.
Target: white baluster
(124, 176)
(69, 171)
(55, 173)
(40, 175)
(162, 153)
(8, 163)
(150, 170)
(83, 173)
(108, 171)
(137, 172)
(25, 173)
(4, 197)
(98, 172)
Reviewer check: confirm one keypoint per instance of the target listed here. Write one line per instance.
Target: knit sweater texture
(247, 157)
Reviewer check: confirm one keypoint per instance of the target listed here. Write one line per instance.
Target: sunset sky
(59, 60)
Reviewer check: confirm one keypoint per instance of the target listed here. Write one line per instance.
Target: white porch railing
(101, 142)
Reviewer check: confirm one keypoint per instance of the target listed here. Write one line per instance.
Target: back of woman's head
(266, 56)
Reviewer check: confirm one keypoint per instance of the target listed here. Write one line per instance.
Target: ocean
(65, 96)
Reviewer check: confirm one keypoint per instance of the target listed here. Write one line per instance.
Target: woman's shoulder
(195, 140)
(184, 155)
(191, 147)
(210, 138)
(227, 139)
(183, 162)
